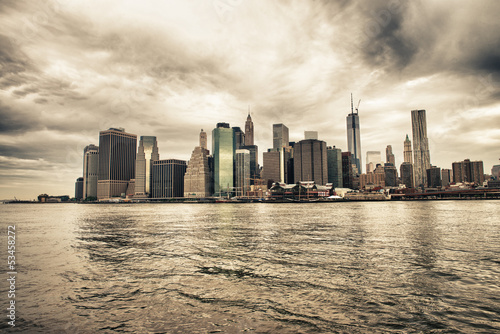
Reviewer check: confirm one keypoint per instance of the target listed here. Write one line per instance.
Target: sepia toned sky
(69, 69)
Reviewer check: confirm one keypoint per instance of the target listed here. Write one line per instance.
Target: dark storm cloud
(16, 121)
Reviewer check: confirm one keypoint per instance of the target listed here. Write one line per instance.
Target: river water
(388, 267)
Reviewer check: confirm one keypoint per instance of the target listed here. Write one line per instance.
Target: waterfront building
(421, 154)
(353, 137)
(223, 148)
(79, 188)
(242, 171)
(347, 170)
(280, 136)
(117, 153)
(373, 158)
(391, 175)
(468, 171)
(495, 171)
(407, 152)
(239, 137)
(371, 180)
(311, 135)
(406, 171)
(147, 153)
(334, 158)
(445, 177)
(249, 131)
(168, 178)
(90, 171)
(198, 179)
(434, 177)
(310, 161)
(389, 155)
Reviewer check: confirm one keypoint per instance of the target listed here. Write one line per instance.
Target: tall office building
(168, 178)
(445, 177)
(310, 161)
(334, 158)
(468, 171)
(391, 175)
(311, 135)
(271, 167)
(198, 177)
(223, 147)
(347, 170)
(495, 171)
(353, 138)
(90, 171)
(147, 153)
(117, 153)
(433, 177)
(79, 188)
(389, 155)
(406, 171)
(242, 172)
(280, 136)
(422, 160)
(249, 131)
(239, 137)
(407, 150)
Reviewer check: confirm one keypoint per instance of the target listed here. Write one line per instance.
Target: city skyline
(69, 71)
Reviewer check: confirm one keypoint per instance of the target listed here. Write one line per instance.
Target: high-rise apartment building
(147, 153)
(90, 171)
(249, 131)
(353, 138)
(407, 152)
(445, 177)
(280, 136)
(117, 153)
(223, 148)
(433, 177)
(168, 178)
(334, 158)
(310, 161)
(422, 160)
(242, 172)
(198, 178)
(468, 171)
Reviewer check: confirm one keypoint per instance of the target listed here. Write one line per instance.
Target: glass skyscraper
(147, 153)
(334, 157)
(280, 136)
(353, 138)
(168, 178)
(242, 171)
(223, 148)
(90, 171)
(422, 160)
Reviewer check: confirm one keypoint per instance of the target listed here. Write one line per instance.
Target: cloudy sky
(69, 69)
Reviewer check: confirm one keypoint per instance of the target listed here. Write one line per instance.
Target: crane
(358, 106)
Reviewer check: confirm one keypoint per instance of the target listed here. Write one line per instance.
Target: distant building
(280, 136)
(468, 171)
(271, 166)
(334, 158)
(147, 153)
(421, 153)
(353, 137)
(223, 148)
(434, 177)
(407, 152)
(242, 172)
(445, 177)
(495, 171)
(390, 156)
(79, 188)
(254, 161)
(371, 180)
(168, 178)
(90, 171)
(239, 137)
(249, 131)
(347, 170)
(406, 171)
(372, 159)
(117, 153)
(391, 175)
(310, 161)
(311, 135)
(198, 179)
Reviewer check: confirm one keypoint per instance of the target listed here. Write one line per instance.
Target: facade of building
(407, 152)
(168, 178)
(391, 175)
(280, 136)
(117, 153)
(406, 171)
(434, 177)
(495, 171)
(468, 171)
(271, 166)
(390, 155)
(421, 161)
(353, 138)
(79, 188)
(198, 178)
(90, 171)
(310, 161)
(239, 137)
(334, 158)
(242, 172)
(371, 180)
(347, 170)
(249, 131)
(147, 153)
(223, 148)
(445, 177)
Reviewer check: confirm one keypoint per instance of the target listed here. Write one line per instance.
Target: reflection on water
(262, 268)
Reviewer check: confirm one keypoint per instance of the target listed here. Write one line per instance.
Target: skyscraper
(347, 172)
(280, 136)
(79, 188)
(90, 171)
(468, 171)
(168, 178)
(334, 158)
(310, 161)
(445, 177)
(422, 160)
(242, 171)
(389, 155)
(433, 177)
(407, 151)
(223, 147)
(311, 135)
(117, 153)
(249, 131)
(353, 138)
(406, 171)
(239, 137)
(198, 177)
(271, 168)
(147, 153)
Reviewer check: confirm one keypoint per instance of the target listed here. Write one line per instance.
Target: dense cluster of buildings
(119, 168)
